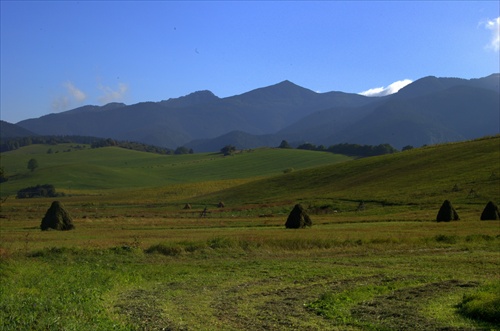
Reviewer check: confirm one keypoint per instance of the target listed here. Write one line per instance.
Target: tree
(407, 148)
(3, 177)
(32, 164)
(183, 150)
(284, 144)
(228, 150)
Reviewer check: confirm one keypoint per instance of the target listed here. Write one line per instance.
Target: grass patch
(447, 239)
(44, 296)
(337, 305)
(166, 249)
(483, 304)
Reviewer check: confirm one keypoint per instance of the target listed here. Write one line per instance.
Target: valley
(138, 260)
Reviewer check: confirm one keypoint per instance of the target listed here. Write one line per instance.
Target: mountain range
(428, 111)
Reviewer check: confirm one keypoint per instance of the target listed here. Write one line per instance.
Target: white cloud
(64, 102)
(494, 26)
(382, 91)
(111, 95)
(61, 103)
(76, 93)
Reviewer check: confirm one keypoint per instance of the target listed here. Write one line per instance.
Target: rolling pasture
(138, 260)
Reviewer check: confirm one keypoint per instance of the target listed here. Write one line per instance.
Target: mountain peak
(432, 84)
(288, 84)
(283, 90)
(195, 98)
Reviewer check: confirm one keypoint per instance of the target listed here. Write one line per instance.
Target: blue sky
(60, 55)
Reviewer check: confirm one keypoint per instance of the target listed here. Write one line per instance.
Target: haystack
(57, 218)
(221, 205)
(187, 206)
(298, 218)
(447, 213)
(490, 212)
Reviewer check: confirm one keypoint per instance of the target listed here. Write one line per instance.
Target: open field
(138, 261)
(78, 169)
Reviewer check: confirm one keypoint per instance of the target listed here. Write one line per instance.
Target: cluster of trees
(183, 150)
(346, 149)
(130, 145)
(228, 150)
(362, 150)
(38, 191)
(11, 144)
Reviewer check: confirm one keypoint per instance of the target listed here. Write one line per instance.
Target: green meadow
(138, 260)
(76, 169)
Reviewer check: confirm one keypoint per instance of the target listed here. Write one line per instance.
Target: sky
(60, 55)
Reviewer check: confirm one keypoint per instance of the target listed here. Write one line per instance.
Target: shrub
(3, 177)
(46, 190)
(32, 164)
(165, 249)
(221, 242)
(284, 144)
(193, 246)
(442, 238)
(478, 237)
(228, 150)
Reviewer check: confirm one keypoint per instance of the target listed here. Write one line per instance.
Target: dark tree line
(346, 149)
(38, 191)
(362, 150)
(11, 144)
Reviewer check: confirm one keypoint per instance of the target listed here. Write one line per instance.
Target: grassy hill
(415, 181)
(78, 169)
(136, 260)
(465, 172)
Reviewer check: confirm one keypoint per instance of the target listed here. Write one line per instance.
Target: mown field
(138, 261)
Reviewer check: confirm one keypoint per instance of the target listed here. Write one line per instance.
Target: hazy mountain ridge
(430, 110)
(192, 99)
(456, 113)
(13, 131)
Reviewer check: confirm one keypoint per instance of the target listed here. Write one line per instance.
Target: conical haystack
(298, 218)
(57, 218)
(490, 212)
(187, 206)
(447, 213)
